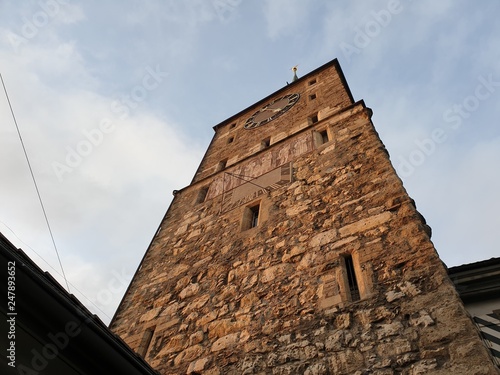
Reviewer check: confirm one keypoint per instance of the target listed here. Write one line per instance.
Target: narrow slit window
(232, 126)
(230, 140)
(202, 195)
(351, 278)
(254, 220)
(142, 350)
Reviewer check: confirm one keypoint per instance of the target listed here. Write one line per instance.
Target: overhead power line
(34, 182)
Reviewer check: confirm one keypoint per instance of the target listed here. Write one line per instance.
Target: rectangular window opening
(321, 137)
(255, 216)
(222, 165)
(265, 143)
(312, 82)
(202, 195)
(313, 119)
(143, 348)
(324, 136)
(312, 96)
(232, 126)
(351, 278)
(251, 217)
(230, 140)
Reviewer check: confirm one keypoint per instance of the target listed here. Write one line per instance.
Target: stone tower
(296, 250)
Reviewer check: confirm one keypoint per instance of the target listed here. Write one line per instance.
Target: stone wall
(275, 298)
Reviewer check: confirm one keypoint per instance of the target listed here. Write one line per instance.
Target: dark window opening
(232, 126)
(145, 342)
(351, 278)
(230, 140)
(324, 136)
(321, 137)
(202, 195)
(250, 217)
(265, 143)
(222, 164)
(313, 119)
(312, 96)
(312, 82)
(254, 220)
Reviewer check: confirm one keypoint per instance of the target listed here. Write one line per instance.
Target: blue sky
(116, 101)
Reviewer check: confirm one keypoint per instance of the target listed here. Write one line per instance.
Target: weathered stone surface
(196, 337)
(151, 314)
(174, 344)
(273, 272)
(393, 296)
(248, 301)
(189, 291)
(229, 341)
(335, 342)
(345, 362)
(188, 355)
(225, 342)
(295, 210)
(204, 320)
(294, 252)
(223, 327)
(198, 365)
(423, 367)
(316, 369)
(422, 319)
(365, 224)
(323, 238)
(198, 303)
(396, 347)
(391, 329)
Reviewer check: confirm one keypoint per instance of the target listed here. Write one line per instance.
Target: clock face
(271, 111)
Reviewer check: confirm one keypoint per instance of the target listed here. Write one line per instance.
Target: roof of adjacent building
(477, 281)
(54, 332)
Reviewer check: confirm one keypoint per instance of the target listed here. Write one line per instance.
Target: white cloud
(106, 209)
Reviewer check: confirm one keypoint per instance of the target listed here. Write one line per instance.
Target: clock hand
(272, 109)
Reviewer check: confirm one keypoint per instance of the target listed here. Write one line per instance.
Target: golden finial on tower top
(294, 70)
